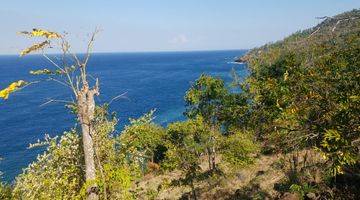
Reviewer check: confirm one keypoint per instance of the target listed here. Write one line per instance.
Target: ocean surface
(149, 80)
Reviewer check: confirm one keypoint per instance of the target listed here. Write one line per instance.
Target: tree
(204, 99)
(72, 72)
(235, 110)
(186, 143)
(58, 173)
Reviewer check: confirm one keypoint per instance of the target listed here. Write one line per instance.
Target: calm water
(150, 80)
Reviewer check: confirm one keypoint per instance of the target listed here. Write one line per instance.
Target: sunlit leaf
(41, 33)
(34, 47)
(11, 88)
(42, 72)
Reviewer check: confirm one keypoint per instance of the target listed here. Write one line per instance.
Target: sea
(141, 81)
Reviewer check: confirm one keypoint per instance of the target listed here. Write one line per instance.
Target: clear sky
(164, 25)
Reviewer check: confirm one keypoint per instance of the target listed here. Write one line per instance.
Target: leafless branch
(30, 83)
(60, 82)
(27, 84)
(118, 97)
(65, 49)
(92, 77)
(56, 101)
(90, 45)
(83, 65)
(52, 62)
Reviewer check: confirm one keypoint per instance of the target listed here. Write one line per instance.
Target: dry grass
(253, 181)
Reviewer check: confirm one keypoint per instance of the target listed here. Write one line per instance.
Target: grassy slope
(258, 180)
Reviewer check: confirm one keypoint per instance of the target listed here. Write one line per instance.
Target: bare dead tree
(74, 75)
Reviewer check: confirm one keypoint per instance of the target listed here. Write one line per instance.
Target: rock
(240, 60)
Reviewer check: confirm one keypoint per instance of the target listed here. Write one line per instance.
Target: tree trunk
(212, 155)
(213, 158)
(86, 112)
(193, 189)
(209, 158)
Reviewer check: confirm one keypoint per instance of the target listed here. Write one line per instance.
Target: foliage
(118, 180)
(56, 174)
(48, 35)
(204, 98)
(35, 47)
(302, 190)
(237, 147)
(338, 149)
(141, 140)
(304, 90)
(12, 88)
(186, 142)
(41, 33)
(5, 191)
(53, 72)
(235, 112)
(115, 175)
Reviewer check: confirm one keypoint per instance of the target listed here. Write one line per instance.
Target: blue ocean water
(150, 80)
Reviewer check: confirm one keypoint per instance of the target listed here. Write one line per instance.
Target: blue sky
(164, 25)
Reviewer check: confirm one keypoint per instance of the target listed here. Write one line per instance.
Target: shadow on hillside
(249, 193)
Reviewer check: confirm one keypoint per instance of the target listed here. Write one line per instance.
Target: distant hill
(332, 28)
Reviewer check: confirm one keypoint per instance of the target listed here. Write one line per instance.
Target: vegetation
(142, 141)
(290, 130)
(305, 90)
(59, 170)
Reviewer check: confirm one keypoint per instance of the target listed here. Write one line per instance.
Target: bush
(56, 174)
(5, 191)
(237, 147)
(142, 141)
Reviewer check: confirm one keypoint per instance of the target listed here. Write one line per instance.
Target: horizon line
(130, 52)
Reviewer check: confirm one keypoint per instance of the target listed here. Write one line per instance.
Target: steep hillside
(302, 104)
(330, 29)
